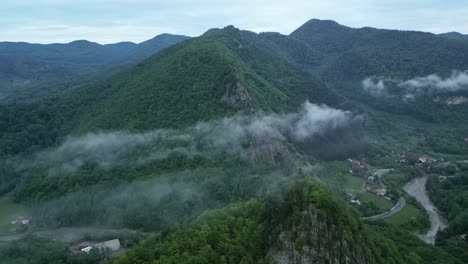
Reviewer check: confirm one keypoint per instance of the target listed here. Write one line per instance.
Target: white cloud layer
(417, 86)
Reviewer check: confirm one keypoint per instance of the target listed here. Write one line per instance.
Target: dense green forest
(31, 71)
(450, 195)
(233, 147)
(253, 233)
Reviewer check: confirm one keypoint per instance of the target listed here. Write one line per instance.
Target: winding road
(395, 209)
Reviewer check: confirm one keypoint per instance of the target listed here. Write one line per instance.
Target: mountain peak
(83, 43)
(322, 22)
(454, 35)
(316, 26)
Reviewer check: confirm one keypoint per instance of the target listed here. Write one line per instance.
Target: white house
(86, 249)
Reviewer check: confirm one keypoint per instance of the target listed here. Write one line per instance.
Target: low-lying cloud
(374, 86)
(229, 136)
(418, 86)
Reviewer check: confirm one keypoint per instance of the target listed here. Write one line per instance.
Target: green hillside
(210, 76)
(307, 223)
(30, 71)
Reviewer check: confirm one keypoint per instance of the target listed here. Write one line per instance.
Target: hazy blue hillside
(454, 35)
(29, 71)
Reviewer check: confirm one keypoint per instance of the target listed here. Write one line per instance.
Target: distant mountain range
(454, 35)
(31, 71)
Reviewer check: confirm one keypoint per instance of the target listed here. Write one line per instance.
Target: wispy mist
(418, 86)
(230, 136)
(137, 194)
(374, 86)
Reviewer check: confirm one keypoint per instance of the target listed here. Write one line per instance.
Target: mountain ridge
(29, 71)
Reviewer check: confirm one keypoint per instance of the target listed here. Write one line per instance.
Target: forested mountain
(29, 71)
(344, 56)
(224, 145)
(210, 76)
(454, 35)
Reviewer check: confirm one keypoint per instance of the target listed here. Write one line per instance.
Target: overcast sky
(109, 21)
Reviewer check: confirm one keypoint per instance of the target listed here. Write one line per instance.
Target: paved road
(417, 189)
(397, 208)
(381, 172)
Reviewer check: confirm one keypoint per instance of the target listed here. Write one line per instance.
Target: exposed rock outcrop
(314, 240)
(236, 95)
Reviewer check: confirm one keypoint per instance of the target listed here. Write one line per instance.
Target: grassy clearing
(381, 203)
(405, 216)
(411, 218)
(353, 184)
(395, 180)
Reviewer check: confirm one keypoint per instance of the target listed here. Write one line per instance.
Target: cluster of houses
(416, 159)
(360, 167)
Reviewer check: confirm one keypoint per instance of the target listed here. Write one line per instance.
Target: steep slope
(221, 72)
(393, 63)
(306, 225)
(353, 54)
(214, 76)
(28, 71)
(202, 78)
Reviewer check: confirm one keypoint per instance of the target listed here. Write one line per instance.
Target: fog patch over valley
(228, 136)
(157, 203)
(150, 180)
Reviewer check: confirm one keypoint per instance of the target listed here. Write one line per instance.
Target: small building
(381, 192)
(86, 249)
(356, 202)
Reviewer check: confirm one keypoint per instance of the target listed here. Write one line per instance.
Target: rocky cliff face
(236, 96)
(308, 225)
(313, 240)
